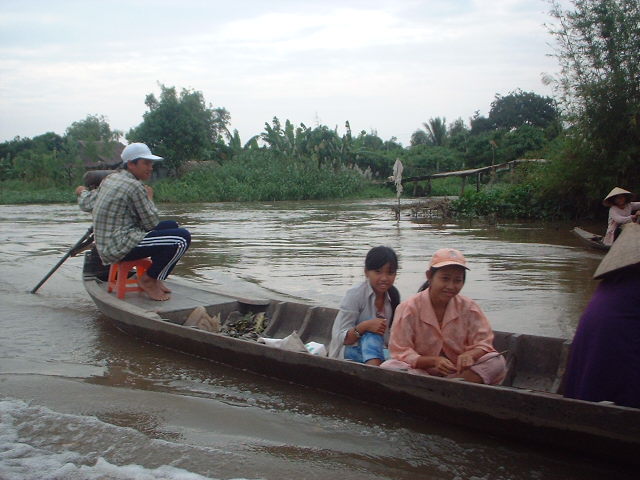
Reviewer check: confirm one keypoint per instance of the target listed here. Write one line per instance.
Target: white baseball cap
(134, 151)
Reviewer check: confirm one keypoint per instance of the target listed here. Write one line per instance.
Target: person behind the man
(126, 224)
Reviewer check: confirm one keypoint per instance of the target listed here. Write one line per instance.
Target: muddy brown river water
(81, 400)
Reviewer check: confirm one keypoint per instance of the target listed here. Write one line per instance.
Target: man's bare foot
(152, 288)
(164, 287)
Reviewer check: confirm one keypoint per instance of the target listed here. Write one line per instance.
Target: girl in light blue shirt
(361, 328)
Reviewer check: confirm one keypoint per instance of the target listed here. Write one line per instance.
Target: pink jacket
(618, 216)
(415, 330)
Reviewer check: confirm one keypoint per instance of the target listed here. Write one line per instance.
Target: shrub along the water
(521, 200)
(19, 192)
(263, 177)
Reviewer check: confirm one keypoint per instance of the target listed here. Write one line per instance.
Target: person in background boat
(360, 330)
(604, 362)
(442, 333)
(620, 207)
(126, 222)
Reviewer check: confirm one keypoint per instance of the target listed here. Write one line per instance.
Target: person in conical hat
(604, 363)
(620, 212)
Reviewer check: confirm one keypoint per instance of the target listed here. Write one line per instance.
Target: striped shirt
(122, 214)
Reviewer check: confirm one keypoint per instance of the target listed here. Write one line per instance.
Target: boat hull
(590, 239)
(521, 414)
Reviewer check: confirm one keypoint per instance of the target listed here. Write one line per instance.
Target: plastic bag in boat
(199, 318)
(290, 342)
(315, 348)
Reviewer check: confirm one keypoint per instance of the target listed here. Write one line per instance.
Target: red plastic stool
(119, 272)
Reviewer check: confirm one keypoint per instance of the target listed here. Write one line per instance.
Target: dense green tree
(480, 124)
(419, 137)
(368, 141)
(425, 160)
(481, 152)
(37, 158)
(90, 137)
(92, 128)
(522, 108)
(40, 166)
(392, 145)
(520, 141)
(370, 152)
(323, 145)
(32, 158)
(459, 136)
(598, 46)
(180, 127)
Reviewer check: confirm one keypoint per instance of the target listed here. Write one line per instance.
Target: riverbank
(493, 202)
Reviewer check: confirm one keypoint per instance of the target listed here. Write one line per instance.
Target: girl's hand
(444, 366)
(375, 325)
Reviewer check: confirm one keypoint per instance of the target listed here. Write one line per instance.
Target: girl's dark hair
(394, 296)
(377, 258)
(433, 271)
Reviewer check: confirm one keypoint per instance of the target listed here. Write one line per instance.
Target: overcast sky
(385, 65)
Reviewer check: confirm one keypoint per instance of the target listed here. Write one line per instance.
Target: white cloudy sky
(384, 65)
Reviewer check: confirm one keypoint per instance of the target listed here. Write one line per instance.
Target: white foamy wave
(39, 444)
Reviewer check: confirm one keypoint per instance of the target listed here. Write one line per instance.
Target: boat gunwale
(587, 239)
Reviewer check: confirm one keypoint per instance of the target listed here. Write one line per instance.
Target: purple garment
(605, 355)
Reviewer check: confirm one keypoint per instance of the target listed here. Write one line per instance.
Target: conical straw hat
(616, 191)
(624, 252)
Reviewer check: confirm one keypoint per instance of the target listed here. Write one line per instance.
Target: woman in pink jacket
(440, 332)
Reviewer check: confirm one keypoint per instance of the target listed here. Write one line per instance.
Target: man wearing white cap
(126, 223)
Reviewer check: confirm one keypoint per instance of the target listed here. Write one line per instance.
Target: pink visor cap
(448, 256)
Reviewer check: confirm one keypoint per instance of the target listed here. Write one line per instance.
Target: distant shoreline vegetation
(265, 179)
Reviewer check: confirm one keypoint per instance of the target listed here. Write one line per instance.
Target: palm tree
(436, 130)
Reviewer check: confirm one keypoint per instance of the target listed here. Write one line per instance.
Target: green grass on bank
(265, 178)
(19, 192)
(261, 178)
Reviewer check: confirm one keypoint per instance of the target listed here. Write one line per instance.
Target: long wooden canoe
(590, 239)
(527, 407)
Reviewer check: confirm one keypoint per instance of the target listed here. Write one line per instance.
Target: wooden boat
(590, 239)
(527, 407)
